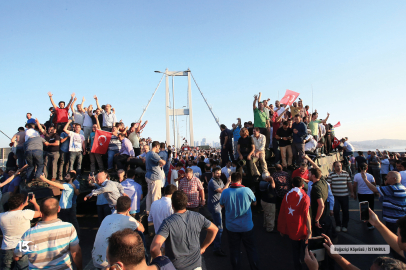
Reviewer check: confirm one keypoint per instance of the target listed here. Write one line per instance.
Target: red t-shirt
(298, 172)
(61, 115)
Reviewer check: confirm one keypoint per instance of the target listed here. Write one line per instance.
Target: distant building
(204, 141)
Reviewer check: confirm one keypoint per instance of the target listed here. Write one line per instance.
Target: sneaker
(371, 227)
(220, 253)
(344, 229)
(338, 229)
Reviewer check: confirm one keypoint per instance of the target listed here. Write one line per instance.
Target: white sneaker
(338, 229)
(344, 229)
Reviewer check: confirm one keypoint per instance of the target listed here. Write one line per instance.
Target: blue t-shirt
(77, 185)
(213, 201)
(65, 202)
(301, 132)
(14, 183)
(31, 121)
(65, 145)
(236, 134)
(134, 191)
(151, 163)
(164, 156)
(237, 202)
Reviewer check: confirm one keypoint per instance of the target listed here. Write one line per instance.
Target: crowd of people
(268, 164)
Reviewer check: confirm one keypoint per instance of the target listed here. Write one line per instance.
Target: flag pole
(5, 134)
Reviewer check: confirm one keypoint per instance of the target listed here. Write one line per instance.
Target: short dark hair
(403, 163)
(170, 189)
(316, 172)
(179, 200)
(179, 164)
(61, 102)
(16, 200)
(297, 181)
(162, 145)
(123, 204)
(235, 177)
(49, 208)
(21, 128)
(364, 166)
(216, 169)
(207, 167)
(387, 263)
(155, 144)
(188, 170)
(314, 114)
(257, 129)
(222, 126)
(285, 123)
(121, 134)
(127, 247)
(29, 113)
(72, 175)
(130, 173)
(297, 115)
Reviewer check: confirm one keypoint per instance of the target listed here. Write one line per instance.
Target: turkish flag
(336, 143)
(289, 97)
(337, 125)
(293, 214)
(101, 142)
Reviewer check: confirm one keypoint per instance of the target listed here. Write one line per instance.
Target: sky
(350, 53)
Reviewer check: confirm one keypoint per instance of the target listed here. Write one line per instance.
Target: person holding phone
(14, 223)
(364, 193)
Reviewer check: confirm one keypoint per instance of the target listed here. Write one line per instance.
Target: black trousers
(247, 181)
(225, 153)
(121, 161)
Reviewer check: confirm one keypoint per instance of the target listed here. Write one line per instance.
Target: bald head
(125, 247)
(393, 178)
(101, 177)
(49, 207)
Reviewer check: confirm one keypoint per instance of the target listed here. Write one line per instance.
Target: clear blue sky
(352, 53)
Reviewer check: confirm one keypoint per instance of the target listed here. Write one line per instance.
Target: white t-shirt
(323, 130)
(350, 148)
(30, 133)
(403, 175)
(362, 187)
(13, 225)
(226, 171)
(160, 210)
(133, 137)
(110, 224)
(174, 175)
(310, 145)
(76, 140)
(87, 122)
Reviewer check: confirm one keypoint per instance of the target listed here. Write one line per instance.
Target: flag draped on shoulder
(101, 142)
(293, 214)
(336, 143)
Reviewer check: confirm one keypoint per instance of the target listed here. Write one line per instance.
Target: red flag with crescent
(293, 214)
(101, 142)
(289, 97)
(337, 125)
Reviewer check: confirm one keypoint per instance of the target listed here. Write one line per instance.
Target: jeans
(34, 157)
(20, 156)
(218, 222)
(93, 158)
(269, 215)
(51, 162)
(248, 240)
(69, 215)
(87, 131)
(110, 158)
(298, 248)
(63, 164)
(343, 203)
(76, 156)
(7, 262)
(298, 150)
(225, 153)
(59, 127)
(275, 147)
(103, 211)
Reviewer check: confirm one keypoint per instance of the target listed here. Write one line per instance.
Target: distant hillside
(379, 144)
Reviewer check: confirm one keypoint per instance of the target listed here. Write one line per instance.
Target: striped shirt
(49, 243)
(393, 200)
(339, 183)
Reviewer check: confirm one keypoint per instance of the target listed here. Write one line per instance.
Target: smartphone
(316, 246)
(30, 195)
(364, 210)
